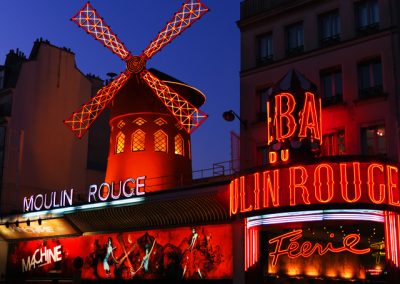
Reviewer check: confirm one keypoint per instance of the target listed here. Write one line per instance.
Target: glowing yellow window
(159, 121)
(139, 121)
(120, 143)
(138, 140)
(121, 124)
(179, 145)
(160, 141)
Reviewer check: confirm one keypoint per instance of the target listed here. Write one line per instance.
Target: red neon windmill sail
(189, 116)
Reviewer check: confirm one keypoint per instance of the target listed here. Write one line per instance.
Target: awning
(200, 205)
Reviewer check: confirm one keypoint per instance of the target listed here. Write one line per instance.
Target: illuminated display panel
(48, 228)
(179, 253)
(350, 250)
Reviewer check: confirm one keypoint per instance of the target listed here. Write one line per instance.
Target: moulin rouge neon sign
(97, 193)
(283, 125)
(293, 124)
(323, 183)
(288, 245)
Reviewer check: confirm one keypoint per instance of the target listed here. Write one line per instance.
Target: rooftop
(249, 8)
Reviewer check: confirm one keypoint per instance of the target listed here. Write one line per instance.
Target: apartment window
(262, 96)
(294, 39)
(373, 140)
(265, 53)
(179, 148)
(120, 143)
(367, 15)
(333, 144)
(329, 28)
(370, 78)
(331, 86)
(138, 140)
(160, 141)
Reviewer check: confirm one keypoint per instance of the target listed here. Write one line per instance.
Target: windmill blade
(190, 12)
(80, 121)
(89, 20)
(185, 113)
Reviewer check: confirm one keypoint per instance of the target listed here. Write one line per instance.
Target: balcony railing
(332, 100)
(371, 92)
(261, 61)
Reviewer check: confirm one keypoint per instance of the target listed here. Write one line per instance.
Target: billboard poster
(199, 252)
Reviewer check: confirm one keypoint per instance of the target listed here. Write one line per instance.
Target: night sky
(205, 56)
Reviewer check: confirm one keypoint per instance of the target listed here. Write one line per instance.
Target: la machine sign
(123, 189)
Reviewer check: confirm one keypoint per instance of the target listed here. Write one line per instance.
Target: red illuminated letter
(270, 138)
(234, 196)
(256, 191)
(284, 114)
(371, 184)
(392, 188)
(243, 196)
(318, 183)
(270, 189)
(285, 155)
(309, 118)
(344, 182)
(272, 157)
(293, 185)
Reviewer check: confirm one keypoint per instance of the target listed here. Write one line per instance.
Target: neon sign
(323, 183)
(294, 121)
(44, 201)
(306, 249)
(106, 191)
(283, 124)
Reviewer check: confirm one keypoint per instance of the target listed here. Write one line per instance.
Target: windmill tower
(152, 114)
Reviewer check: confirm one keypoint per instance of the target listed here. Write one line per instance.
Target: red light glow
(294, 249)
(294, 119)
(392, 236)
(324, 183)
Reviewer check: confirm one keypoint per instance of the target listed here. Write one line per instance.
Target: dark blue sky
(205, 56)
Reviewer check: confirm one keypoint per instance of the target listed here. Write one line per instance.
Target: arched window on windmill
(120, 143)
(179, 148)
(138, 140)
(160, 141)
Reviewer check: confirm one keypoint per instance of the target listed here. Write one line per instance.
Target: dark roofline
(38, 42)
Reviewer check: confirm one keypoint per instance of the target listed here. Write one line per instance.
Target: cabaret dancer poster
(196, 252)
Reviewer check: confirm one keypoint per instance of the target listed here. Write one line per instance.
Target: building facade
(350, 49)
(317, 197)
(37, 94)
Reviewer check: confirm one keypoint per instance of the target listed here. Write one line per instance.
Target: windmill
(183, 108)
(187, 115)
